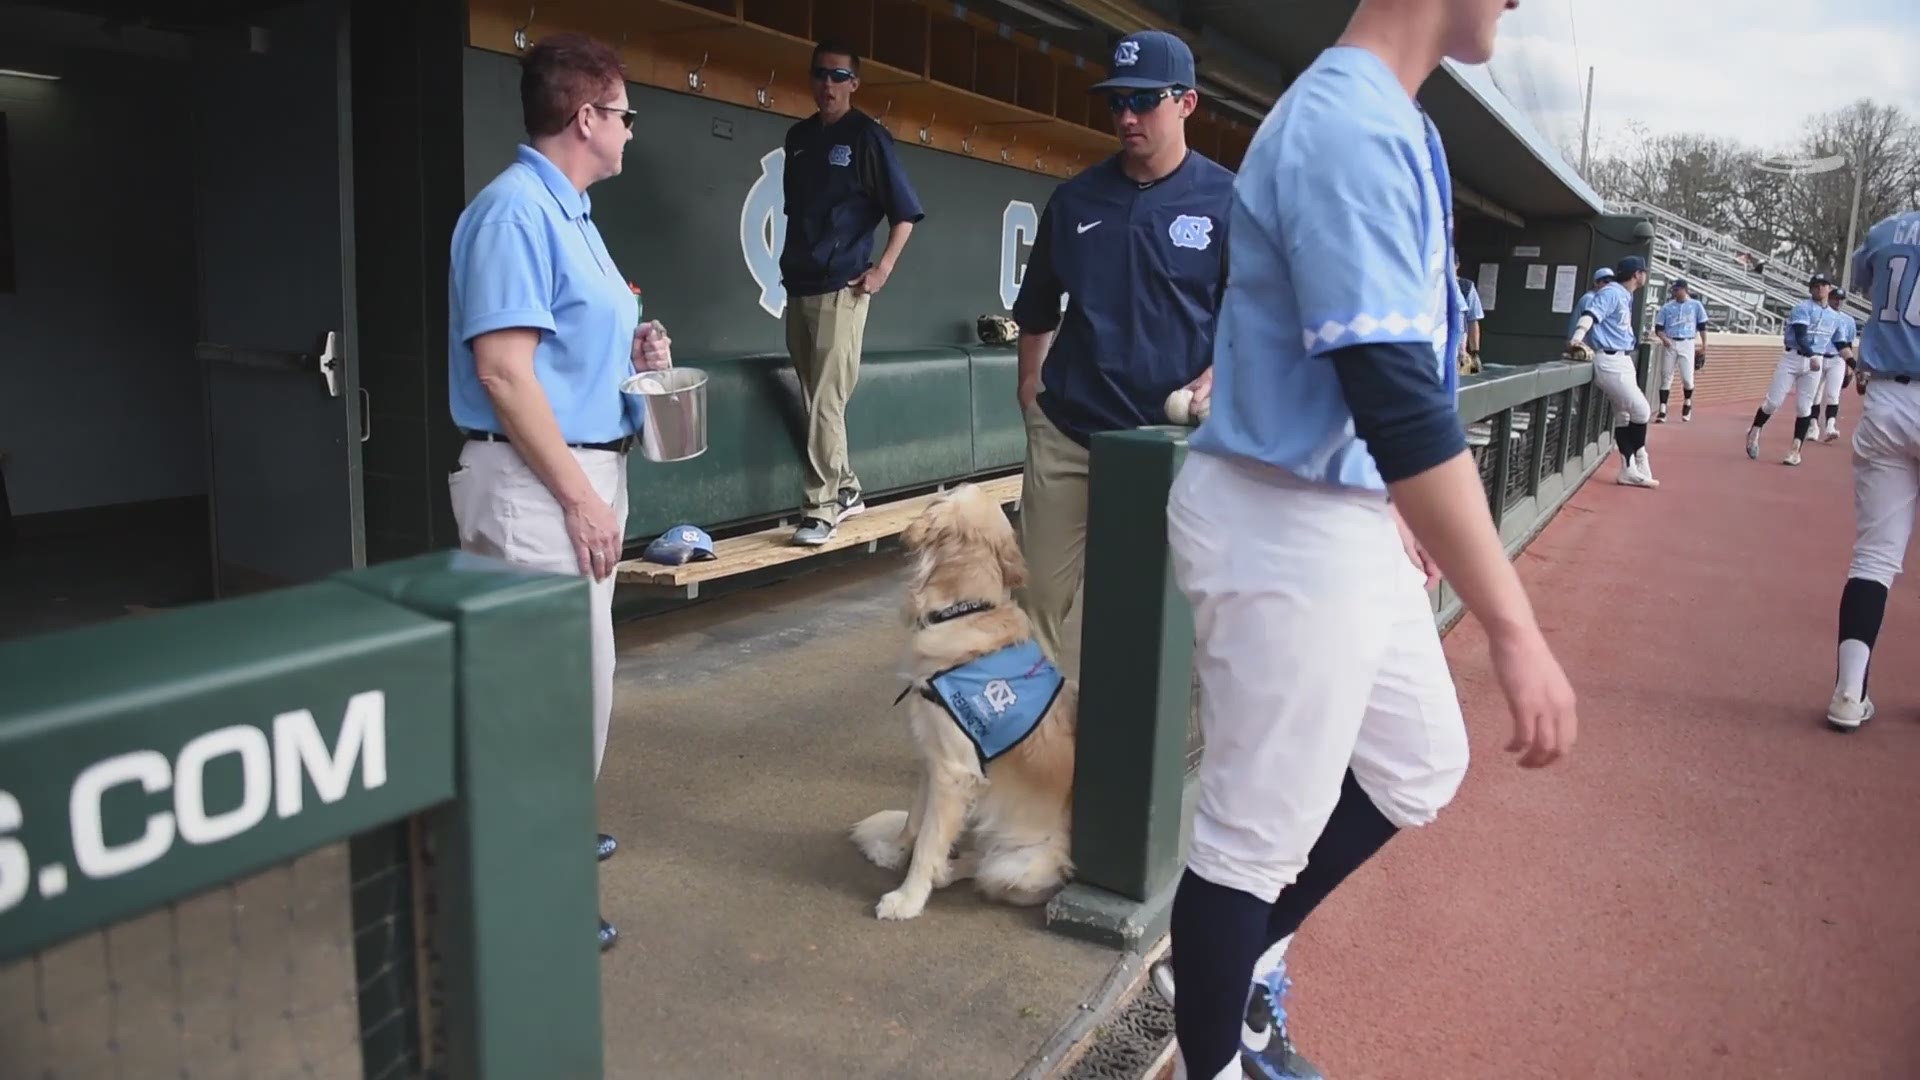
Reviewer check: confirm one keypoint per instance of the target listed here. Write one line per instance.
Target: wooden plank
(775, 546)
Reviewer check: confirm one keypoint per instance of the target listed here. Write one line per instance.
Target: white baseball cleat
(1753, 444)
(1631, 476)
(1641, 463)
(1833, 431)
(1793, 456)
(1846, 712)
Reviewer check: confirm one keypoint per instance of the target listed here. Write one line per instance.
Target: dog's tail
(882, 838)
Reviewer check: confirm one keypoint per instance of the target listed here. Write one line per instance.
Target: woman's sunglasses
(839, 75)
(626, 115)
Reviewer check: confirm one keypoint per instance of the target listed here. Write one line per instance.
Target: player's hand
(596, 537)
(652, 348)
(1539, 696)
(1202, 388)
(1416, 554)
(1579, 352)
(872, 279)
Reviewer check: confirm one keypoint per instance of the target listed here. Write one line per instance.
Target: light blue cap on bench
(680, 544)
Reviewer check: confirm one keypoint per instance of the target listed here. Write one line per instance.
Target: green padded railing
(432, 714)
(1536, 434)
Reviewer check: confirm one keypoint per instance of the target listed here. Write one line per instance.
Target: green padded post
(513, 863)
(1136, 695)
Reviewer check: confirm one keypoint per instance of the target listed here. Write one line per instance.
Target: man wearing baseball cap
(1139, 243)
(1600, 277)
(1681, 327)
(1810, 326)
(1609, 319)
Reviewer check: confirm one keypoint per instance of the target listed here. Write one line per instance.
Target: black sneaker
(1266, 1050)
(605, 848)
(608, 935)
(813, 532)
(850, 503)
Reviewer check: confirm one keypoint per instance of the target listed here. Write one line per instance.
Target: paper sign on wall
(1489, 285)
(1531, 251)
(1563, 282)
(1536, 275)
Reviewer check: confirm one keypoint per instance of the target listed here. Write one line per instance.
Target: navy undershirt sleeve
(1799, 333)
(1399, 406)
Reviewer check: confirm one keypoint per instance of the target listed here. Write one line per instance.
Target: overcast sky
(1752, 70)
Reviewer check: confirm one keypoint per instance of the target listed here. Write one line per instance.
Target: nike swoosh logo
(1085, 225)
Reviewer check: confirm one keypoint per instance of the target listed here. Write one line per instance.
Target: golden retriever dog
(1010, 821)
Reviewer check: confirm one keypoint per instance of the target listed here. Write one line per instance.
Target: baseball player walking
(1886, 452)
(1609, 320)
(1810, 327)
(1681, 327)
(1332, 469)
(1834, 368)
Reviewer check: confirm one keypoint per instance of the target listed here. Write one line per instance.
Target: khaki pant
(823, 338)
(502, 509)
(1053, 536)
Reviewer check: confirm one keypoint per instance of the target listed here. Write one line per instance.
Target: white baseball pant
(1886, 479)
(1677, 355)
(1316, 652)
(1614, 373)
(503, 509)
(1792, 375)
(1833, 372)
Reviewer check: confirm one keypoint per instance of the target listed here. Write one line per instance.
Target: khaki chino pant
(1053, 536)
(824, 335)
(503, 509)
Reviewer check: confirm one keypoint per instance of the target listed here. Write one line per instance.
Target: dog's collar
(955, 611)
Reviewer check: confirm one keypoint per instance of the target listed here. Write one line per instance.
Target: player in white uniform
(1331, 721)
(1681, 327)
(1810, 326)
(1833, 371)
(1886, 451)
(1609, 320)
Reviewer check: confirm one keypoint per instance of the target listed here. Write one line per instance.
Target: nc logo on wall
(763, 230)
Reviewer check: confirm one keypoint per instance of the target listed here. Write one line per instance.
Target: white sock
(1853, 667)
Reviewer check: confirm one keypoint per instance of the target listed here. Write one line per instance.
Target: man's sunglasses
(626, 115)
(839, 75)
(1141, 101)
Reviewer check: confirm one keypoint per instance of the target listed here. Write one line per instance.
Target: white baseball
(1180, 407)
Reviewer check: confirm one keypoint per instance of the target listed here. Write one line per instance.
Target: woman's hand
(652, 348)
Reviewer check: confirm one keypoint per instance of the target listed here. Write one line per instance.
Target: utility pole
(1586, 125)
(1853, 222)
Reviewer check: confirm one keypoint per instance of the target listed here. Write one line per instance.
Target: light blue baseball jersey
(1886, 270)
(1681, 319)
(1820, 321)
(1842, 333)
(527, 254)
(1342, 227)
(1612, 311)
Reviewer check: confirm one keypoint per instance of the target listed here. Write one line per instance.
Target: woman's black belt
(618, 446)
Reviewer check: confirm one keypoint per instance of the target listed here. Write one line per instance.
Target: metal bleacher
(1744, 290)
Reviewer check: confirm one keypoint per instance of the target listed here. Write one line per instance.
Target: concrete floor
(749, 734)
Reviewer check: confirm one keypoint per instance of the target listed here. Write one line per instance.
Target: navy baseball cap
(1819, 279)
(1149, 60)
(1678, 284)
(680, 544)
(1838, 293)
(1630, 266)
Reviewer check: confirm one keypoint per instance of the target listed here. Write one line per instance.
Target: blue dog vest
(997, 699)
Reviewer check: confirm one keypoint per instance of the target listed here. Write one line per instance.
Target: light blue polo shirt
(1612, 311)
(1886, 272)
(526, 254)
(1342, 226)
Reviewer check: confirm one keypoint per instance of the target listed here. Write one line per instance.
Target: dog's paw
(897, 905)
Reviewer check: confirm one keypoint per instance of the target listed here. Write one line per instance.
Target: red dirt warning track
(1714, 885)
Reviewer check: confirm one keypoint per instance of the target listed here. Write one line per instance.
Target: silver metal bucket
(670, 410)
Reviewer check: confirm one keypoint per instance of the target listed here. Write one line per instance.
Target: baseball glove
(1860, 384)
(996, 330)
(1579, 352)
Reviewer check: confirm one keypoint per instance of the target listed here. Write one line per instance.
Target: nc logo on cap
(1127, 54)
